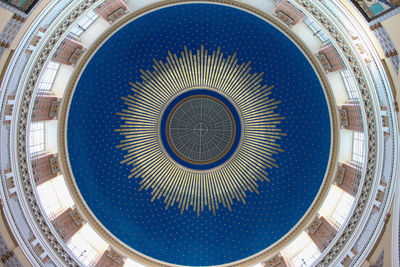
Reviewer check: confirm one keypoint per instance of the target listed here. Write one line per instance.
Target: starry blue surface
(187, 239)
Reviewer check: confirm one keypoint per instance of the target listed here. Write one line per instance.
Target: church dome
(198, 133)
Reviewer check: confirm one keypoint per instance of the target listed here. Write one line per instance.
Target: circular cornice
(81, 204)
(370, 124)
(23, 109)
(368, 101)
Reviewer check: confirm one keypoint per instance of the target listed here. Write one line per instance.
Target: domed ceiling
(198, 134)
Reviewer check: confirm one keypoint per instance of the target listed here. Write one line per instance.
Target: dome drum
(200, 129)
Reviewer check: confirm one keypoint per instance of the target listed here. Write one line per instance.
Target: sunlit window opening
(336, 206)
(307, 256)
(84, 23)
(350, 84)
(55, 196)
(131, 263)
(342, 209)
(48, 77)
(316, 29)
(358, 145)
(87, 245)
(302, 251)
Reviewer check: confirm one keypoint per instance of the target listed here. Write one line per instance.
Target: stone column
(9, 110)
(36, 39)
(68, 52)
(330, 58)
(46, 108)
(68, 223)
(321, 232)
(111, 10)
(110, 258)
(45, 167)
(10, 183)
(383, 37)
(350, 117)
(348, 178)
(276, 261)
(288, 13)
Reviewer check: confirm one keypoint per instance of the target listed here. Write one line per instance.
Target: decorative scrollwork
(371, 129)
(26, 103)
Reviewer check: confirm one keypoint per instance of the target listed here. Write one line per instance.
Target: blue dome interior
(165, 234)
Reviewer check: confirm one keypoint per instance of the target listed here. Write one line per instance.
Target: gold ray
(196, 189)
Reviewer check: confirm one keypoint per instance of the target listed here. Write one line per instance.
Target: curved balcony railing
(359, 151)
(359, 144)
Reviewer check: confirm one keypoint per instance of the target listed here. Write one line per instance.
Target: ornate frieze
(26, 102)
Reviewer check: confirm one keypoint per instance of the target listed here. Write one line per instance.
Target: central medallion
(200, 129)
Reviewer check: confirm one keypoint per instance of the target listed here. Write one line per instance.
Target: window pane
(358, 146)
(342, 208)
(84, 23)
(307, 256)
(36, 137)
(47, 80)
(350, 84)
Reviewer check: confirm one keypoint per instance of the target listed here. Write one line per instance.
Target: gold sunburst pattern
(192, 188)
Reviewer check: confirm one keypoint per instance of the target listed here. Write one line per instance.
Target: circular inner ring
(200, 129)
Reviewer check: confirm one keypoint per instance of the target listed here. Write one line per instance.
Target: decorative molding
(275, 261)
(10, 31)
(324, 61)
(372, 130)
(344, 118)
(19, 11)
(76, 218)
(116, 14)
(7, 256)
(340, 174)
(54, 166)
(15, 209)
(112, 254)
(76, 55)
(314, 226)
(55, 104)
(26, 105)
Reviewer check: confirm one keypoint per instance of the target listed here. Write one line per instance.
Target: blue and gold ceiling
(198, 134)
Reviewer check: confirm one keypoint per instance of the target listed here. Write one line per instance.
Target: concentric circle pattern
(200, 129)
(190, 208)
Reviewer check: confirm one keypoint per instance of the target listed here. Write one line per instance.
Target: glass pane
(36, 137)
(47, 80)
